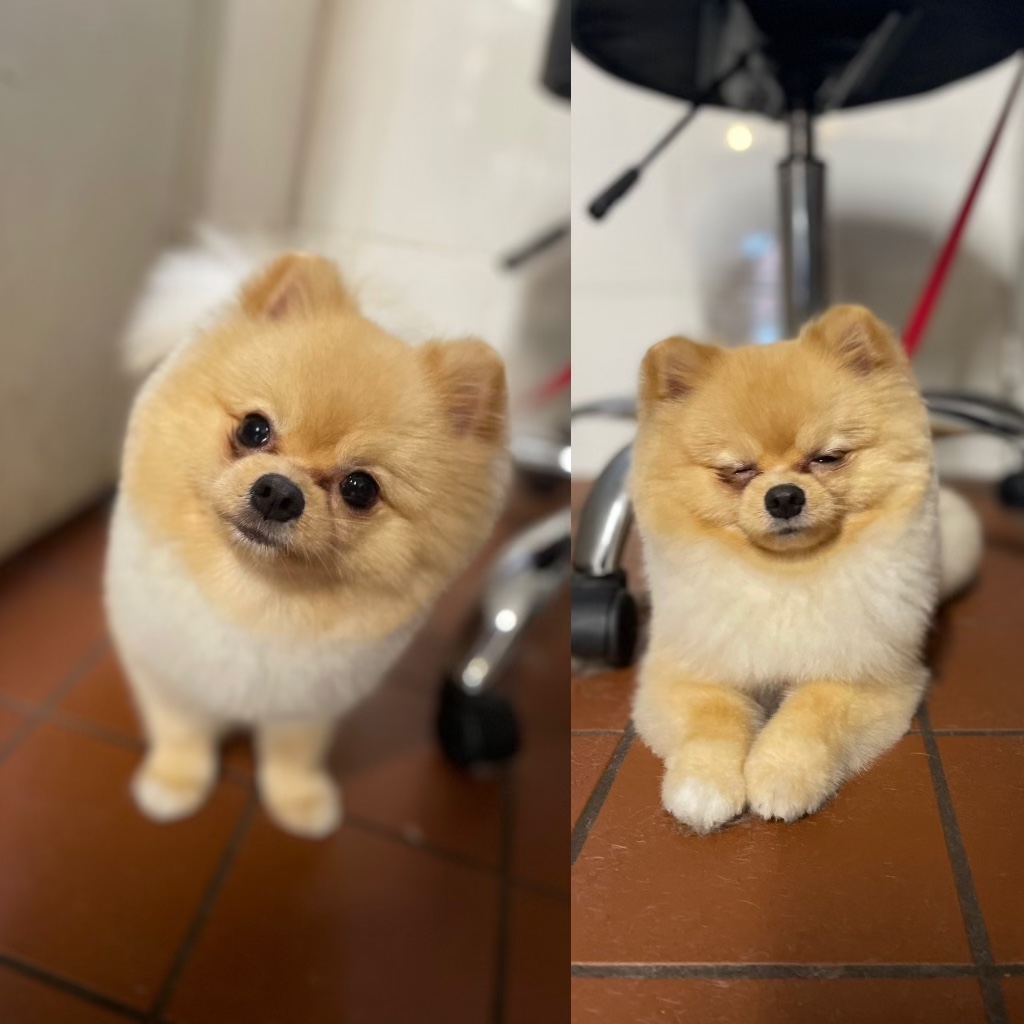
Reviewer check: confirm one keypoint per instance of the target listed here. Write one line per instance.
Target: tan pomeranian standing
(796, 544)
(297, 488)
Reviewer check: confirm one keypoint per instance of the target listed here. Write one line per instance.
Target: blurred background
(418, 145)
(694, 249)
(413, 142)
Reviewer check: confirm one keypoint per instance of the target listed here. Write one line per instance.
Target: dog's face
(783, 449)
(319, 450)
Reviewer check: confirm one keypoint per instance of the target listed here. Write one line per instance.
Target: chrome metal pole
(802, 224)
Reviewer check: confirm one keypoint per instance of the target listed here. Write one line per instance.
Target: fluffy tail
(960, 540)
(185, 290)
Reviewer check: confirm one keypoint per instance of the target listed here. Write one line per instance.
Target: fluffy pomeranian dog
(297, 488)
(796, 544)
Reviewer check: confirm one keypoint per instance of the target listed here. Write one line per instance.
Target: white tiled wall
(432, 149)
(691, 250)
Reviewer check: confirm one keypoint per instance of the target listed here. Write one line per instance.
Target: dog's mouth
(254, 535)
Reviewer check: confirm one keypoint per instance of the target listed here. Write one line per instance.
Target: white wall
(432, 149)
(692, 249)
(93, 105)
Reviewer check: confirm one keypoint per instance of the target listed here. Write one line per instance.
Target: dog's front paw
(307, 805)
(167, 789)
(787, 778)
(704, 796)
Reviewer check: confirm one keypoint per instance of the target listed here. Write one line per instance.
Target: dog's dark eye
(826, 460)
(359, 490)
(253, 431)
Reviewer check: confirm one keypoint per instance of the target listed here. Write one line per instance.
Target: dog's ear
(469, 377)
(855, 336)
(673, 368)
(296, 284)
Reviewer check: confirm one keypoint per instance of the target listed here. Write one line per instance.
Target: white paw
(164, 798)
(700, 803)
(308, 806)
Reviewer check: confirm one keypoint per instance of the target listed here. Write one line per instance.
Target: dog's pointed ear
(469, 377)
(857, 338)
(673, 368)
(296, 284)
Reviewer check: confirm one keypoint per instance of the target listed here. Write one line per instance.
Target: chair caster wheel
(476, 728)
(604, 619)
(1011, 490)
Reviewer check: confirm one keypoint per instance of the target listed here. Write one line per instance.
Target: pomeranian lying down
(297, 488)
(796, 544)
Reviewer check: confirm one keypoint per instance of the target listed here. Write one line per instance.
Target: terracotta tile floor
(444, 897)
(901, 901)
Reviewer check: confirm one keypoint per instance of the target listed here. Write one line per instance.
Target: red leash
(917, 322)
(549, 388)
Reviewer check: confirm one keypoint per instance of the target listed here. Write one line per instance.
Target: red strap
(917, 322)
(552, 386)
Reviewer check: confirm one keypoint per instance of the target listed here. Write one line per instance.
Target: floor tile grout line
(84, 726)
(69, 987)
(752, 972)
(42, 712)
(504, 894)
(970, 907)
(977, 732)
(205, 909)
(592, 808)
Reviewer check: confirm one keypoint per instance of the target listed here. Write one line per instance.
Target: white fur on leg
(961, 542)
(307, 804)
(163, 799)
(700, 801)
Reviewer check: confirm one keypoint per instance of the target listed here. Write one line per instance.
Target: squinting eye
(253, 431)
(742, 475)
(359, 490)
(826, 460)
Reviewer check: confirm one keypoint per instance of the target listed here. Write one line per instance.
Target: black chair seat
(678, 47)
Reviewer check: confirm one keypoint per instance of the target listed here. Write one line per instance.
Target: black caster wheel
(604, 619)
(476, 728)
(1011, 490)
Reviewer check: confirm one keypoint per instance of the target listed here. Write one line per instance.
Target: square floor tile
(540, 850)
(102, 698)
(590, 757)
(1013, 996)
(978, 650)
(602, 700)
(537, 971)
(89, 888)
(47, 630)
(78, 549)
(837, 1001)
(25, 1000)
(866, 879)
(358, 928)
(986, 780)
(393, 773)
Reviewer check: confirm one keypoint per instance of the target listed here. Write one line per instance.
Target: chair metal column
(802, 224)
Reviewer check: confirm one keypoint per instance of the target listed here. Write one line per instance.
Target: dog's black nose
(276, 497)
(784, 501)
